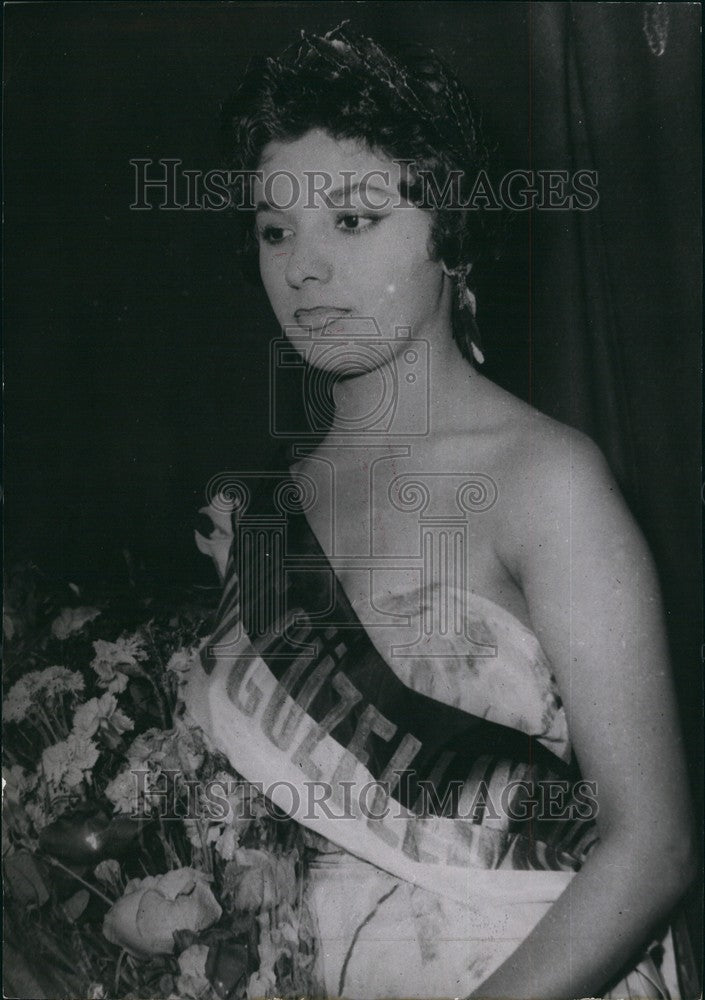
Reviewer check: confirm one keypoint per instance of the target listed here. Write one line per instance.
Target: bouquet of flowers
(136, 862)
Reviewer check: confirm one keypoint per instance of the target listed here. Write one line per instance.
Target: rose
(143, 921)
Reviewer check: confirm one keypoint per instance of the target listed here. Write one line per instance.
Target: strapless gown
(443, 714)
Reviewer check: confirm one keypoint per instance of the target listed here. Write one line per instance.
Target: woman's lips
(318, 317)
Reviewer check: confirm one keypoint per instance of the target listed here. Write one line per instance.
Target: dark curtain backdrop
(136, 356)
(615, 292)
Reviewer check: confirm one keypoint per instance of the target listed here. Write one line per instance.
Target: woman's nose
(307, 260)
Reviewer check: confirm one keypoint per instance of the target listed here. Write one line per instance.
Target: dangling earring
(466, 309)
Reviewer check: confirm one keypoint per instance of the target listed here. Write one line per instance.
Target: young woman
(441, 647)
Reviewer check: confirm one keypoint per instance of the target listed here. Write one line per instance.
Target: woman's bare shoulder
(530, 444)
(543, 468)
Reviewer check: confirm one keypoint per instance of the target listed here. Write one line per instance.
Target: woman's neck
(421, 388)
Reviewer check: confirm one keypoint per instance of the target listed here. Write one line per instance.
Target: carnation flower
(189, 747)
(101, 713)
(122, 792)
(49, 683)
(155, 751)
(113, 661)
(70, 620)
(177, 749)
(127, 649)
(180, 661)
(110, 678)
(67, 763)
(37, 814)
(17, 701)
(57, 680)
(37, 800)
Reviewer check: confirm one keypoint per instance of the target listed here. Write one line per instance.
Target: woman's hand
(594, 604)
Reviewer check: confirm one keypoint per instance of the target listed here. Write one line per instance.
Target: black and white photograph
(352, 616)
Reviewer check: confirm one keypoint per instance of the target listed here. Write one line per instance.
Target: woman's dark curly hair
(404, 104)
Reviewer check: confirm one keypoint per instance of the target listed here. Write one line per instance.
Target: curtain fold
(616, 291)
(615, 297)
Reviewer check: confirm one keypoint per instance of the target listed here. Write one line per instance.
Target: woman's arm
(594, 603)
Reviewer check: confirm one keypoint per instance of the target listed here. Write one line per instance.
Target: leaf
(25, 879)
(131, 669)
(227, 966)
(8, 628)
(76, 836)
(166, 984)
(183, 939)
(140, 692)
(24, 976)
(74, 907)
(44, 941)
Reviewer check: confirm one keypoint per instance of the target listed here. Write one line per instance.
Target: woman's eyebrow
(348, 189)
(329, 198)
(266, 206)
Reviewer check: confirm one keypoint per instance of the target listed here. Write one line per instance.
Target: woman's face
(354, 265)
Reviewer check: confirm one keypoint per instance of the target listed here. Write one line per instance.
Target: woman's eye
(353, 223)
(274, 234)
